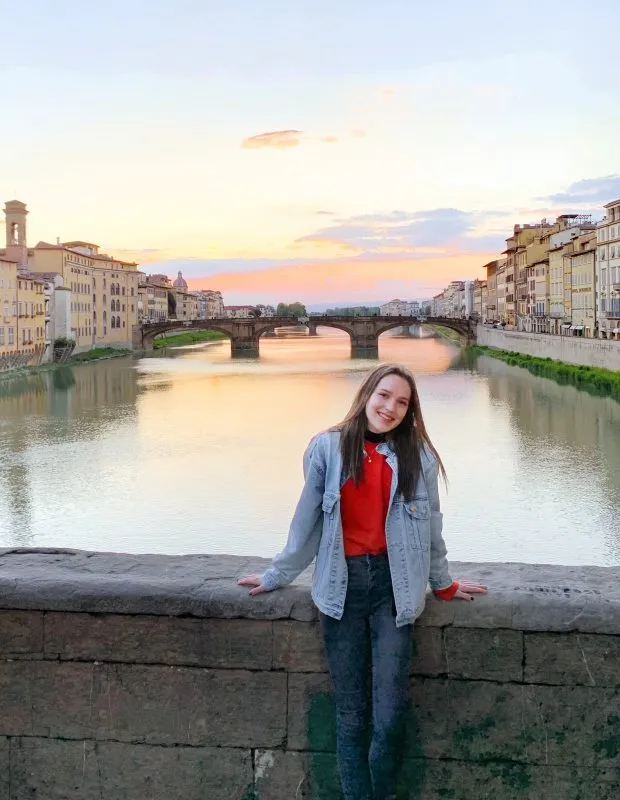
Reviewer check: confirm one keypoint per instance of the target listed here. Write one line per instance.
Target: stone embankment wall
(156, 678)
(571, 349)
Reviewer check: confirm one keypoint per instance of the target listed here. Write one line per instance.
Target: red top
(364, 508)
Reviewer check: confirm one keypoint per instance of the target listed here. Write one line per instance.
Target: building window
(113, 322)
(118, 322)
(11, 335)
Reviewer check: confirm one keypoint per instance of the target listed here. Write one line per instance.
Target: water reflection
(567, 434)
(197, 452)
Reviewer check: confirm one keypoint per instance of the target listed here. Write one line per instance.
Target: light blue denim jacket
(416, 549)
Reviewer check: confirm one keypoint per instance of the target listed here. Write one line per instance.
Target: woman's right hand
(255, 581)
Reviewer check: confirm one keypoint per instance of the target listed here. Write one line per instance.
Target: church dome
(180, 283)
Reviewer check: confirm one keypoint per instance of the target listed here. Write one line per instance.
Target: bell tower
(16, 247)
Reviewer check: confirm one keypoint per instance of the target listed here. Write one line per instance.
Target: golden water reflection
(195, 452)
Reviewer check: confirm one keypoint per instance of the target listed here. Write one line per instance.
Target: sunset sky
(323, 152)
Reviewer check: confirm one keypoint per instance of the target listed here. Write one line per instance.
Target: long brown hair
(407, 440)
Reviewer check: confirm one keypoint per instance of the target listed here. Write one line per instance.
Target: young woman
(369, 513)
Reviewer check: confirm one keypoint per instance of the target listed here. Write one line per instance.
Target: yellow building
(520, 257)
(22, 320)
(583, 285)
(500, 287)
(489, 311)
(156, 298)
(104, 290)
(570, 227)
(540, 310)
(187, 305)
(8, 306)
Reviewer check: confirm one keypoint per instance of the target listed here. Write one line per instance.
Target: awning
(616, 330)
(567, 325)
(577, 328)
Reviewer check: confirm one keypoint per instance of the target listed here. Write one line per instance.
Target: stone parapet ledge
(524, 597)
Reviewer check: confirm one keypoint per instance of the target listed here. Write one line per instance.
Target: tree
(297, 309)
(291, 310)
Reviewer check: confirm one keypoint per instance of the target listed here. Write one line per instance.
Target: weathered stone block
(311, 720)
(53, 769)
(298, 647)
(234, 644)
(16, 698)
(428, 652)
(495, 655)
(572, 658)
(174, 773)
(157, 705)
(4, 768)
(458, 780)
(296, 776)
(21, 634)
(478, 720)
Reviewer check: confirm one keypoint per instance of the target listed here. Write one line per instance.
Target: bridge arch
(180, 328)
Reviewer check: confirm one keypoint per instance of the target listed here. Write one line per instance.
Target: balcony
(612, 310)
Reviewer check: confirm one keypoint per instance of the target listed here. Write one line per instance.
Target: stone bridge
(244, 333)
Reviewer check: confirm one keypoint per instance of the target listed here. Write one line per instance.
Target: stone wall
(602, 353)
(157, 678)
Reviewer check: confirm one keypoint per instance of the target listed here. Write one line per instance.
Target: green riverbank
(96, 354)
(191, 337)
(447, 333)
(600, 382)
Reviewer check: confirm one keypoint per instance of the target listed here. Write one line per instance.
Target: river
(196, 453)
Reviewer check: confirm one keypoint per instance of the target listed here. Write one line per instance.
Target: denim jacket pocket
(418, 512)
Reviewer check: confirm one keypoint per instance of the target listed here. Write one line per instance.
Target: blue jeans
(365, 650)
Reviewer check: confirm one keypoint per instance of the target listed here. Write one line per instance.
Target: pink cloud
(280, 140)
(345, 278)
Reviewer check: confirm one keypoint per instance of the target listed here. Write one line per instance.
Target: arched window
(105, 316)
(113, 322)
(118, 322)
(112, 305)
(123, 291)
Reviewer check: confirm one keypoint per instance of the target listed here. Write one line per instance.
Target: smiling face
(388, 404)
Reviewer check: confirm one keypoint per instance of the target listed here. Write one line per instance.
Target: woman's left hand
(467, 589)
